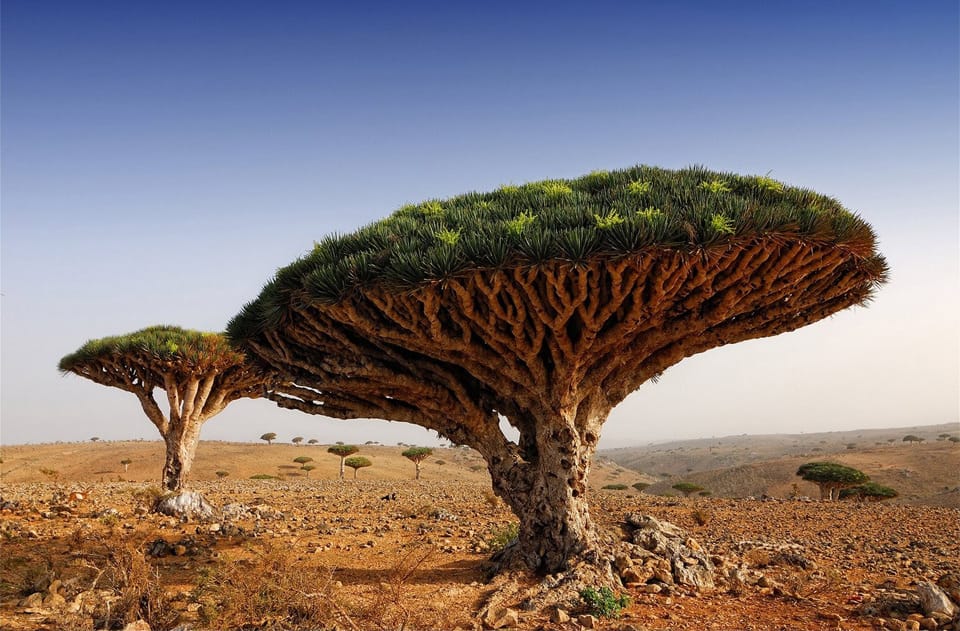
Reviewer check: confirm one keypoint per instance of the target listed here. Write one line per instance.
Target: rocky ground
(311, 554)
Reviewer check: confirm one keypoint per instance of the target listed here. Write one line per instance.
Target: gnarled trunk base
(181, 446)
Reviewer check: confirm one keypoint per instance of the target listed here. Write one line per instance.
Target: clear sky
(161, 160)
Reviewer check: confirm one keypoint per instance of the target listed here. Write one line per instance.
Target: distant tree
(200, 373)
(851, 446)
(891, 440)
(339, 442)
(269, 437)
(343, 451)
(312, 441)
(222, 474)
(868, 491)
(954, 439)
(126, 463)
(296, 440)
(94, 439)
(831, 477)
(640, 486)
(356, 463)
(307, 468)
(687, 488)
(911, 438)
(943, 436)
(417, 455)
(303, 459)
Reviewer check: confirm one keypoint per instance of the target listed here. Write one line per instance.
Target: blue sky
(161, 160)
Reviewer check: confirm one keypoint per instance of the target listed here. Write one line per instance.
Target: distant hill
(740, 466)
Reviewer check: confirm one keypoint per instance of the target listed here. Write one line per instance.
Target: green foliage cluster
(615, 487)
(178, 349)
(605, 213)
(417, 453)
(640, 486)
(343, 450)
(263, 476)
(603, 602)
(501, 537)
(869, 491)
(831, 473)
(687, 487)
(358, 462)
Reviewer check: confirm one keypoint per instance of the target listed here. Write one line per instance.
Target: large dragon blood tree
(546, 304)
(200, 372)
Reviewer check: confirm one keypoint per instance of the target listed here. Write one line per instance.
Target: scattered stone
(587, 621)
(559, 616)
(33, 601)
(137, 625)
(688, 565)
(929, 624)
(502, 619)
(187, 504)
(933, 599)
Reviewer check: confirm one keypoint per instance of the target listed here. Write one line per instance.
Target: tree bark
(342, 458)
(547, 491)
(417, 462)
(181, 446)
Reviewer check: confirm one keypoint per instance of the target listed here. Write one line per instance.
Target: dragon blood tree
(546, 305)
(200, 373)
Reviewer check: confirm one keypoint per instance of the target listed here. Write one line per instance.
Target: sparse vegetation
(911, 438)
(640, 486)
(603, 603)
(615, 487)
(263, 476)
(503, 536)
(868, 491)
(222, 474)
(269, 437)
(700, 516)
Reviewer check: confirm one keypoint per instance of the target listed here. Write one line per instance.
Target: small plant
(126, 462)
(269, 437)
(517, 225)
(605, 222)
(649, 213)
(431, 209)
(555, 189)
(448, 236)
(501, 537)
(639, 188)
(715, 186)
(604, 603)
(222, 474)
(721, 224)
(615, 487)
(263, 476)
(110, 520)
(769, 184)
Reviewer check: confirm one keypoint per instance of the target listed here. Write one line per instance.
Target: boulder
(189, 504)
(679, 559)
(933, 599)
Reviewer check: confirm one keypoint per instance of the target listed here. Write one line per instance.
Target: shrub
(687, 488)
(222, 474)
(640, 486)
(603, 602)
(701, 516)
(500, 537)
(870, 491)
(615, 487)
(263, 476)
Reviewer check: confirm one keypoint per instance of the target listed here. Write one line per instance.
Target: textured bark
(181, 447)
(552, 348)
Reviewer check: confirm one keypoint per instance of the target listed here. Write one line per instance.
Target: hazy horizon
(160, 162)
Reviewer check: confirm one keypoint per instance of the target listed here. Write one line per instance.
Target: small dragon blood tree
(200, 373)
(546, 304)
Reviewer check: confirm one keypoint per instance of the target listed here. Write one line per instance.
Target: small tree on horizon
(343, 451)
(417, 455)
(911, 438)
(869, 492)
(831, 477)
(687, 488)
(296, 440)
(356, 463)
(312, 441)
(640, 486)
(94, 439)
(200, 373)
(126, 463)
(222, 474)
(302, 460)
(269, 437)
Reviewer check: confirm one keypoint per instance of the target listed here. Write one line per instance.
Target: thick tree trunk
(418, 469)
(548, 495)
(181, 442)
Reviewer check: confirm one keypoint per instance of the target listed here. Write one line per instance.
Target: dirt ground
(299, 554)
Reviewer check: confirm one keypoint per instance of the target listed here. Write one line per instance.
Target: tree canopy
(546, 304)
(200, 372)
